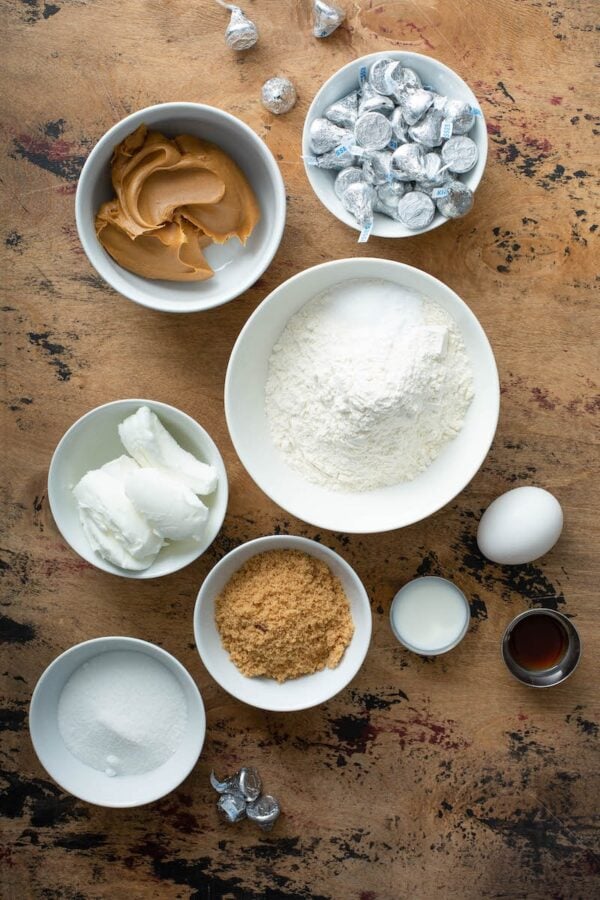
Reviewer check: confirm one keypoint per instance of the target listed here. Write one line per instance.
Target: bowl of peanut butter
(180, 207)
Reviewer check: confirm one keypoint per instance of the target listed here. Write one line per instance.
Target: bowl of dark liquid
(541, 647)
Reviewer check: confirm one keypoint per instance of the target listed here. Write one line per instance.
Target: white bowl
(372, 511)
(92, 441)
(434, 74)
(266, 693)
(90, 784)
(236, 267)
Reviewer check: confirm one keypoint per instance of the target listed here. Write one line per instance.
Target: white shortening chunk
(150, 444)
(120, 468)
(112, 524)
(170, 507)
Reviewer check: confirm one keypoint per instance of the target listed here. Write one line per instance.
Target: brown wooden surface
(424, 779)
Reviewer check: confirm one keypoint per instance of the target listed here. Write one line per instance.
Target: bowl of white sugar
(117, 721)
(362, 395)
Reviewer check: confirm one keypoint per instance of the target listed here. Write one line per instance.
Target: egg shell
(520, 526)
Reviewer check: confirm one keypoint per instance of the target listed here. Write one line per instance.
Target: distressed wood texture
(428, 779)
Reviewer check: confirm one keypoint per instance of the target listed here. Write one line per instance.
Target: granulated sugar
(122, 712)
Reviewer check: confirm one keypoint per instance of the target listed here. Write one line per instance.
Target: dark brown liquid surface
(537, 642)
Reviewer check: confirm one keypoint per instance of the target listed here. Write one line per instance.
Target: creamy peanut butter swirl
(173, 199)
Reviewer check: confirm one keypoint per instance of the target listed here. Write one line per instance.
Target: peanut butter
(173, 199)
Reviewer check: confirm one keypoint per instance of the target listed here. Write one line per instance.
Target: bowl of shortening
(138, 488)
(282, 623)
(117, 721)
(402, 134)
(362, 395)
(180, 207)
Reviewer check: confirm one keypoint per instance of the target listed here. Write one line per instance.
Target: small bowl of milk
(430, 615)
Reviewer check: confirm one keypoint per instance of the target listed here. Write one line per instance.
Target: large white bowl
(94, 440)
(372, 511)
(90, 784)
(236, 267)
(434, 74)
(265, 693)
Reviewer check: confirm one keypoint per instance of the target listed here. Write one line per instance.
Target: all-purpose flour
(122, 712)
(366, 385)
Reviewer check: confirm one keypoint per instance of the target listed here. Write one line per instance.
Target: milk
(429, 615)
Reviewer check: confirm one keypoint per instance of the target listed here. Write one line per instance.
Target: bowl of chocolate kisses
(395, 144)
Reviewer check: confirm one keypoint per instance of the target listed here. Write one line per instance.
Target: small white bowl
(90, 784)
(236, 267)
(371, 511)
(266, 693)
(94, 440)
(432, 73)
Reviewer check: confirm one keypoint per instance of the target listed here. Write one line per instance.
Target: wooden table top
(425, 778)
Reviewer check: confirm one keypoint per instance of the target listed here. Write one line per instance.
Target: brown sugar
(284, 614)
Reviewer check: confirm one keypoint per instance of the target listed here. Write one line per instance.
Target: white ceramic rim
(144, 574)
(414, 58)
(139, 645)
(230, 419)
(263, 544)
(447, 647)
(177, 109)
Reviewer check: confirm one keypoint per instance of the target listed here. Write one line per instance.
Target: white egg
(520, 526)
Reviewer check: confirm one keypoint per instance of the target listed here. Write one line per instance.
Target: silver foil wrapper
(264, 811)
(410, 79)
(383, 105)
(416, 210)
(358, 200)
(345, 178)
(232, 806)
(378, 78)
(460, 113)
(428, 131)
(434, 173)
(343, 112)
(460, 154)
(387, 197)
(224, 786)
(391, 192)
(278, 95)
(456, 199)
(241, 33)
(399, 126)
(250, 783)
(407, 162)
(414, 104)
(324, 136)
(373, 131)
(326, 18)
(340, 158)
(377, 167)
(371, 101)
(402, 80)
(391, 211)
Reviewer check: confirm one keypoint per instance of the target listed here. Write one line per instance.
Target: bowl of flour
(362, 395)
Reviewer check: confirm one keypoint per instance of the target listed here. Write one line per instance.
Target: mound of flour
(366, 385)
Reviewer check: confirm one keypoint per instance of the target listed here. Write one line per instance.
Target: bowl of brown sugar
(282, 623)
